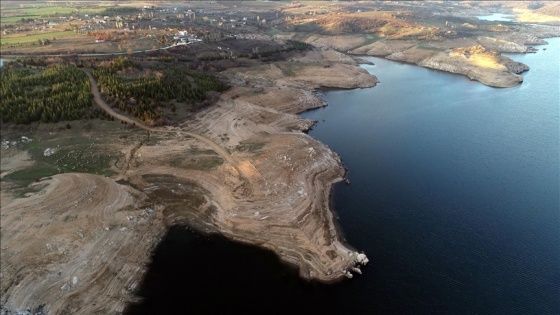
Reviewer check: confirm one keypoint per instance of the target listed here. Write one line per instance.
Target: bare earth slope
(476, 62)
(81, 233)
(243, 168)
(479, 64)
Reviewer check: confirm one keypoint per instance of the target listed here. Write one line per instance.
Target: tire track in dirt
(83, 233)
(213, 145)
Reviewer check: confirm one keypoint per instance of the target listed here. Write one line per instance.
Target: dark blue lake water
(454, 197)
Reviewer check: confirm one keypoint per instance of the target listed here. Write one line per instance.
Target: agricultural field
(35, 37)
(39, 10)
(17, 18)
(45, 11)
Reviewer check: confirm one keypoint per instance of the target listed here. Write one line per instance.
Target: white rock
(362, 259)
(356, 270)
(48, 152)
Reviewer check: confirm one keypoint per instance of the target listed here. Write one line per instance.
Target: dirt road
(215, 147)
(80, 243)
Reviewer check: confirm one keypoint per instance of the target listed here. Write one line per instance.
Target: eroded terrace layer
(80, 243)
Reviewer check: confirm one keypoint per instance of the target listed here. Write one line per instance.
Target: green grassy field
(14, 19)
(32, 38)
(43, 12)
(72, 154)
(39, 10)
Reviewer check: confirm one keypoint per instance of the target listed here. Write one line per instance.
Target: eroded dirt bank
(478, 58)
(272, 190)
(78, 245)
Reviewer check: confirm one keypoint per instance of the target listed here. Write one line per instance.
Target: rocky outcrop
(502, 45)
(529, 39)
(514, 66)
(477, 63)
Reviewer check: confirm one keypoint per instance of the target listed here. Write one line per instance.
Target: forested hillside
(144, 93)
(51, 95)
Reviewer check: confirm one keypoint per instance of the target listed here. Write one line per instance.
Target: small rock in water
(356, 270)
(362, 259)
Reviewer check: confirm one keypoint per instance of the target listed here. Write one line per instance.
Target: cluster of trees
(297, 45)
(143, 95)
(113, 36)
(293, 45)
(120, 11)
(32, 62)
(121, 63)
(55, 94)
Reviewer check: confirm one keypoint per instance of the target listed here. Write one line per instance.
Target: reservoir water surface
(495, 17)
(454, 196)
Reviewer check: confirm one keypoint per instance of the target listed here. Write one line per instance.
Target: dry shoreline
(272, 189)
(79, 243)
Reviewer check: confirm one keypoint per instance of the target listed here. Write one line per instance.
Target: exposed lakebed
(453, 196)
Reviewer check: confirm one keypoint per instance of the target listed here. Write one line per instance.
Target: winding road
(215, 147)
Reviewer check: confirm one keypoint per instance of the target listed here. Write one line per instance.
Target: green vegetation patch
(55, 94)
(36, 37)
(33, 173)
(27, 12)
(369, 39)
(17, 18)
(197, 162)
(179, 195)
(197, 151)
(76, 153)
(145, 95)
(247, 146)
(121, 11)
(45, 10)
(309, 27)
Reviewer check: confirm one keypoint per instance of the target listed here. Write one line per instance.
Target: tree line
(143, 96)
(58, 93)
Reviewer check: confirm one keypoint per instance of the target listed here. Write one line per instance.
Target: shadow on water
(200, 274)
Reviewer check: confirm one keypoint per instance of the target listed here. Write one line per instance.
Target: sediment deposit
(479, 64)
(243, 168)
